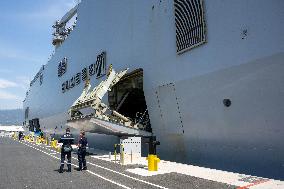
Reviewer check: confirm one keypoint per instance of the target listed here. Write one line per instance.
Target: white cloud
(31, 20)
(6, 84)
(20, 81)
(6, 96)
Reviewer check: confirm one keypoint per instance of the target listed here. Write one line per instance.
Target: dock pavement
(29, 165)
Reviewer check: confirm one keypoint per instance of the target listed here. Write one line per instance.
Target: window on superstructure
(190, 24)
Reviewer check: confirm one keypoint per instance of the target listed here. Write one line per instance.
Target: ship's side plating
(218, 105)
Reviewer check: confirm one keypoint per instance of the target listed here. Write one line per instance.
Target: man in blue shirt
(82, 149)
(66, 149)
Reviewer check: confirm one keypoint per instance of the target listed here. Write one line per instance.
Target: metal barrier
(14, 136)
(29, 138)
(40, 140)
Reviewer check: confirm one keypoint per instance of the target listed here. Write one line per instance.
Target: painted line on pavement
(125, 175)
(106, 179)
(253, 184)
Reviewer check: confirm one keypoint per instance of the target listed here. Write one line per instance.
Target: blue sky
(25, 43)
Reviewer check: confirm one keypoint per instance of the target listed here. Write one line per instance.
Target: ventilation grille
(190, 24)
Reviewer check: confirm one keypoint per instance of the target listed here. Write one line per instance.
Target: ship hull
(206, 132)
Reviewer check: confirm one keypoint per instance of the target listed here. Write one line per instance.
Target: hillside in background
(11, 117)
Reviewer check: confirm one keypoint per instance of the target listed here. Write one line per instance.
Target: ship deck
(29, 165)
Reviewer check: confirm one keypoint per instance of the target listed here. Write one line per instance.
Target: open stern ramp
(102, 118)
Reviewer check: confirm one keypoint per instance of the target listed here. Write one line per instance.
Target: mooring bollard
(153, 161)
(121, 154)
(115, 153)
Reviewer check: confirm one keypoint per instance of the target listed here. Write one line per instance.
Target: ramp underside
(96, 125)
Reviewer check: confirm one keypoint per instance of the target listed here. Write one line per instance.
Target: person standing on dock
(82, 150)
(66, 149)
(20, 135)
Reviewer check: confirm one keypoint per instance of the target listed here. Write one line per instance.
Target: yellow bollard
(115, 153)
(14, 136)
(37, 140)
(153, 161)
(58, 149)
(41, 140)
(52, 142)
(55, 143)
(121, 154)
(32, 139)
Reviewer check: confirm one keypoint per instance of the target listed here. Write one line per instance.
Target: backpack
(67, 148)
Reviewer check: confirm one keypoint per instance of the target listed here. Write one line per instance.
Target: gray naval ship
(205, 77)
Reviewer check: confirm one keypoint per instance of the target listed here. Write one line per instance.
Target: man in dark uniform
(66, 149)
(20, 135)
(82, 145)
(40, 133)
